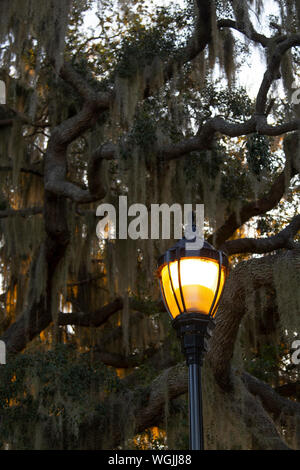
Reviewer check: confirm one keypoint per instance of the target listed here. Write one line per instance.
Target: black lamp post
(191, 283)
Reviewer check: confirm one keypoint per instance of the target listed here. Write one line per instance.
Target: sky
(251, 73)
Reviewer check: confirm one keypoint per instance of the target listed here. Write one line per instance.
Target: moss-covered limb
(121, 361)
(95, 171)
(116, 333)
(244, 25)
(258, 122)
(100, 100)
(248, 30)
(35, 316)
(55, 158)
(47, 394)
(289, 390)
(200, 38)
(198, 41)
(6, 122)
(144, 306)
(8, 115)
(104, 152)
(255, 273)
(259, 206)
(203, 140)
(171, 382)
(205, 136)
(265, 435)
(272, 401)
(127, 412)
(174, 381)
(65, 133)
(34, 169)
(147, 405)
(273, 70)
(238, 406)
(79, 399)
(283, 239)
(140, 308)
(86, 281)
(33, 320)
(20, 212)
(94, 319)
(86, 319)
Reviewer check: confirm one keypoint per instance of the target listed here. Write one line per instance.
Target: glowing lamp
(192, 281)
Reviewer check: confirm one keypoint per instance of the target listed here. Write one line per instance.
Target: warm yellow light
(199, 280)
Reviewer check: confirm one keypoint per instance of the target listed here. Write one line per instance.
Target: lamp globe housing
(191, 283)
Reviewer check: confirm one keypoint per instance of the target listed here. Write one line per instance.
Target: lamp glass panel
(199, 280)
(167, 288)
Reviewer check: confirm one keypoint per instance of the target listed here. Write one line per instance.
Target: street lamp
(191, 283)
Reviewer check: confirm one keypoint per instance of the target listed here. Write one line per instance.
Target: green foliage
(234, 103)
(143, 133)
(258, 153)
(142, 45)
(268, 225)
(235, 184)
(210, 163)
(141, 49)
(147, 441)
(3, 204)
(45, 390)
(265, 364)
(231, 103)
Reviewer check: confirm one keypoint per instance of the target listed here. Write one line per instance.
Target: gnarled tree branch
(260, 206)
(91, 319)
(283, 239)
(20, 212)
(259, 272)
(65, 133)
